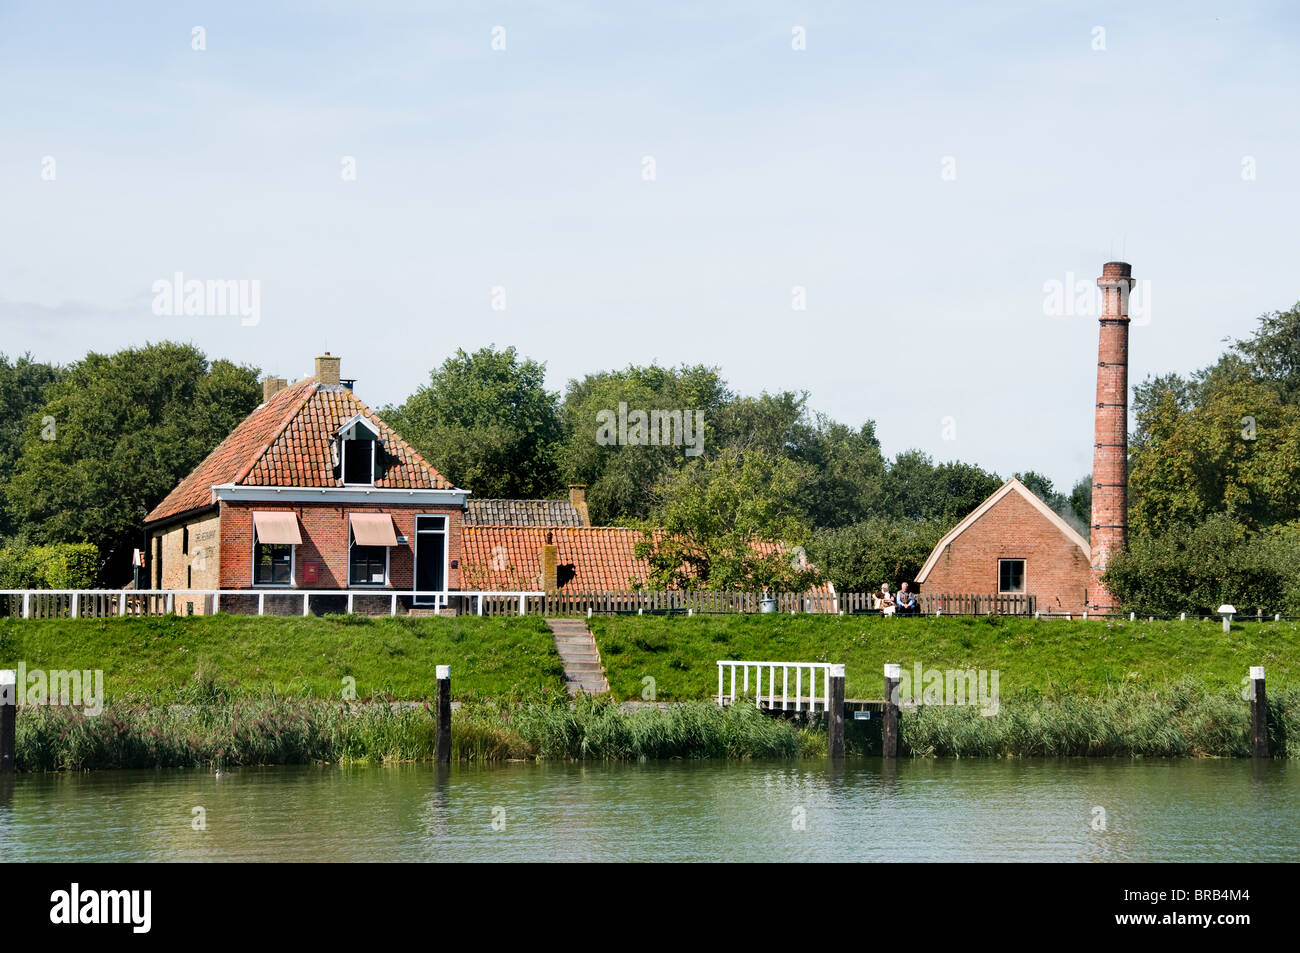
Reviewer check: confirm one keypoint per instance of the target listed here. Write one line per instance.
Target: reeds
(1182, 719)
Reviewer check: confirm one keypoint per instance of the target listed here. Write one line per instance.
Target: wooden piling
(1258, 714)
(442, 742)
(835, 716)
(8, 719)
(889, 721)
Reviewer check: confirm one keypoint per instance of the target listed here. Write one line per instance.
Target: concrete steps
(583, 672)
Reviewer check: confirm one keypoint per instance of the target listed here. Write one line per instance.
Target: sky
(867, 202)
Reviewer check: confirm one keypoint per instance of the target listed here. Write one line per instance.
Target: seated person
(884, 601)
(906, 602)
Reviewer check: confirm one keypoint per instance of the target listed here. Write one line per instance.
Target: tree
(1197, 567)
(1234, 449)
(487, 423)
(22, 390)
(846, 470)
(860, 557)
(621, 474)
(729, 522)
(915, 488)
(1274, 353)
(1081, 503)
(125, 429)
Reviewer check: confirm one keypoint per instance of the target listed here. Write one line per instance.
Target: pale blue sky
(776, 168)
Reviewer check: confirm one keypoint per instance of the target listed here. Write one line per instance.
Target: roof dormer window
(358, 452)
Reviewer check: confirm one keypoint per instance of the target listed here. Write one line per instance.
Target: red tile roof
(287, 441)
(507, 557)
(600, 558)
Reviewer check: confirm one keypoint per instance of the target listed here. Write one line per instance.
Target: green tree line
(1214, 482)
(88, 449)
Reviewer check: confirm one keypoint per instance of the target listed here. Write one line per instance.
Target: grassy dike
(184, 659)
(1048, 657)
(244, 691)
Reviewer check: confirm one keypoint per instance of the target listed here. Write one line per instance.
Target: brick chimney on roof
(1110, 449)
(328, 368)
(578, 497)
(272, 386)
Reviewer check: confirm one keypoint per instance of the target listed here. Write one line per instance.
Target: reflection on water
(1034, 810)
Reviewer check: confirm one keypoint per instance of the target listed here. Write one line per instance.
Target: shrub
(52, 566)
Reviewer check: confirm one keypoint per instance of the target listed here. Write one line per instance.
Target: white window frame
(388, 559)
(352, 424)
(293, 566)
(1024, 576)
(415, 556)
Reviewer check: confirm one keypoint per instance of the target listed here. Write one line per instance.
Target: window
(368, 565)
(273, 564)
(1011, 575)
(185, 540)
(358, 453)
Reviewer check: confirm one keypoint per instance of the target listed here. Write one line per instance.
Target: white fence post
(76, 603)
(349, 603)
(304, 602)
(523, 602)
(392, 609)
(27, 605)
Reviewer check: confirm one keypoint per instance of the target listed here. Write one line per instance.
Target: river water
(862, 810)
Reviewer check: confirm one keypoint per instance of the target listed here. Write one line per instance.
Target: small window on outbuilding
(1011, 575)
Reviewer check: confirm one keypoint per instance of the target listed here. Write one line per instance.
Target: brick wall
(1056, 569)
(191, 557)
(324, 529)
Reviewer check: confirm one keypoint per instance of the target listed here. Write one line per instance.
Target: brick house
(314, 491)
(1013, 543)
(311, 490)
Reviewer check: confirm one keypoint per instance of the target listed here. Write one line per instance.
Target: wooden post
(889, 724)
(1258, 714)
(835, 716)
(8, 717)
(442, 742)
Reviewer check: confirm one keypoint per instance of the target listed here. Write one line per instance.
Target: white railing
(811, 700)
(100, 603)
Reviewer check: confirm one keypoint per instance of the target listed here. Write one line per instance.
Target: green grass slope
(1047, 656)
(171, 657)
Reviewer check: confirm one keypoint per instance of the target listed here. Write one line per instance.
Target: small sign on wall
(310, 572)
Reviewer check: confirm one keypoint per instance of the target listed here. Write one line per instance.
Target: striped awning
(373, 529)
(277, 527)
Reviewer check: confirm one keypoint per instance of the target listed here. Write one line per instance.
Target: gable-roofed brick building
(311, 490)
(1012, 544)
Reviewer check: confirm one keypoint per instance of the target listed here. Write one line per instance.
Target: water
(1037, 810)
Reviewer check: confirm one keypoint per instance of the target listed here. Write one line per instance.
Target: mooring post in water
(889, 723)
(8, 718)
(442, 743)
(835, 716)
(1258, 714)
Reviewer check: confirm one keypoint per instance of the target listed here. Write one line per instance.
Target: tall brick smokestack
(1110, 449)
